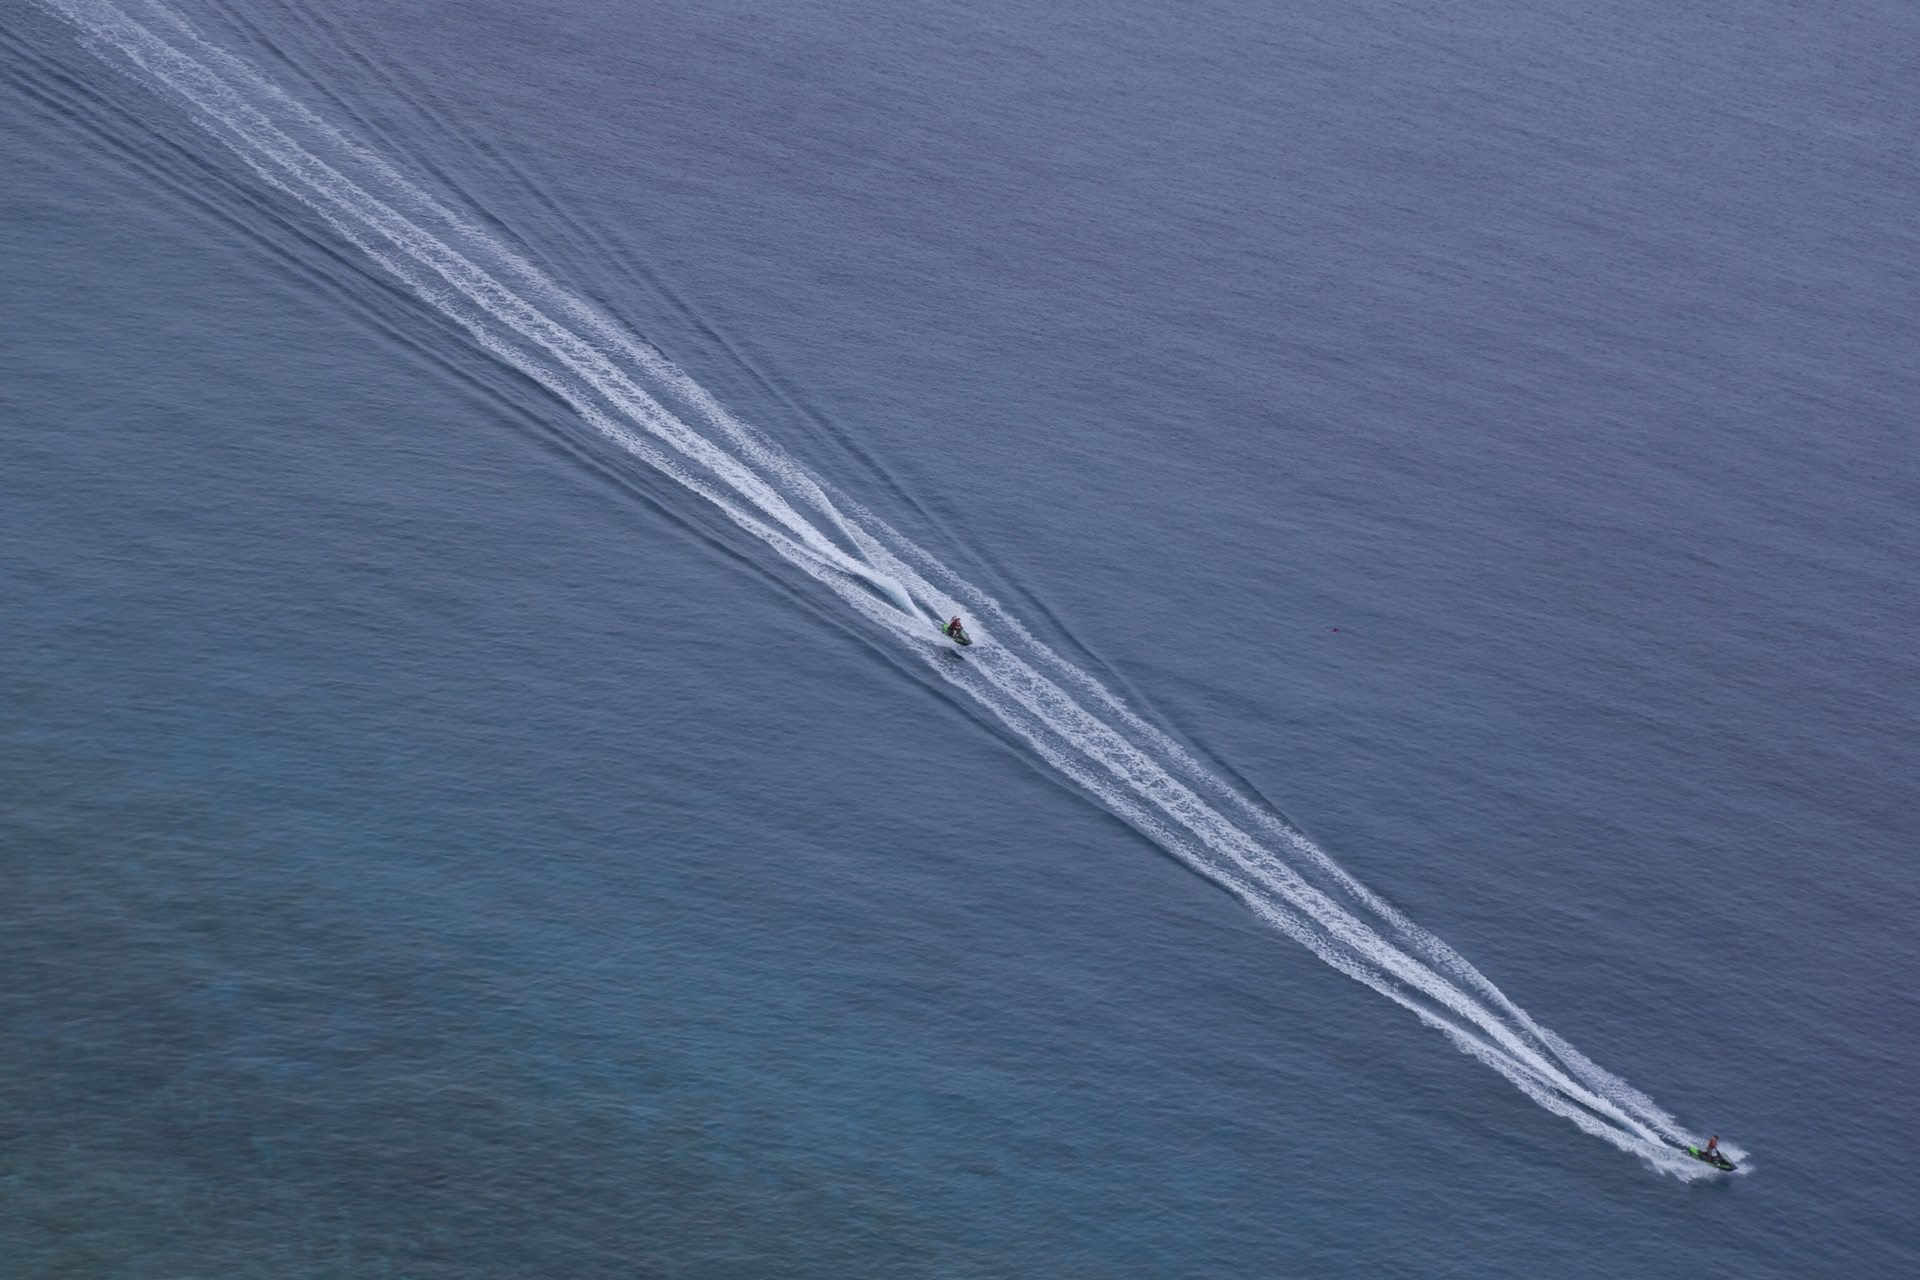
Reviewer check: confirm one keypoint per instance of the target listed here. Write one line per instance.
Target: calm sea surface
(435, 843)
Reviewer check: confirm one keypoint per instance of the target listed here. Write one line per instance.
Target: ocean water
(484, 795)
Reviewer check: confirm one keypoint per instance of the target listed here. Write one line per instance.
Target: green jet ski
(955, 632)
(1710, 1154)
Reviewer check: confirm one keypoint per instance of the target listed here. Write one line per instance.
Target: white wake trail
(636, 398)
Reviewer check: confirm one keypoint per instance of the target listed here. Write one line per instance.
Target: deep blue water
(437, 843)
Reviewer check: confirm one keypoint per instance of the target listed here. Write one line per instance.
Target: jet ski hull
(1713, 1158)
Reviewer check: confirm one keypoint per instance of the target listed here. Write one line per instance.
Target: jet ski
(1710, 1154)
(956, 633)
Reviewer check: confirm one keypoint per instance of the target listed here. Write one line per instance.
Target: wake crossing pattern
(636, 398)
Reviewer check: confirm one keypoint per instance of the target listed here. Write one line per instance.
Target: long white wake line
(636, 398)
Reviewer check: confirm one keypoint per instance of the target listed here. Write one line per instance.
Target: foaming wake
(636, 398)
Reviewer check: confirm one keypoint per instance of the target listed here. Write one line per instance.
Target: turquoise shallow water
(436, 844)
